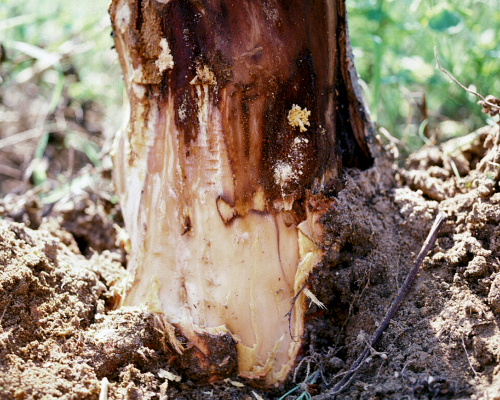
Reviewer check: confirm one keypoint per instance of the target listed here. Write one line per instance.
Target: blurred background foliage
(60, 94)
(61, 89)
(73, 37)
(393, 42)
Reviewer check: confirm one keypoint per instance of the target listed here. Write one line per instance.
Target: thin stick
(468, 359)
(26, 135)
(459, 84)
(429, 242)
(104, 389)
(294, 300)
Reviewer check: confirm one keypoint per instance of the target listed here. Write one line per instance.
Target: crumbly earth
(61, 269)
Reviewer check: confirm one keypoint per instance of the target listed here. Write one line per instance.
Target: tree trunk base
(242, 116)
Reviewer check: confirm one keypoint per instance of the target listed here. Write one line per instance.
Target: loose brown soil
(61, 270)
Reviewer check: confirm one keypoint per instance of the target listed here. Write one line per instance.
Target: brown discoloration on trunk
(265, 57)
(242, 115)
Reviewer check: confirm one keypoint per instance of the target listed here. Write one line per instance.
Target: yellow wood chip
(234, 383)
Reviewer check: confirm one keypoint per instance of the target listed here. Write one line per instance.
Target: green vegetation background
(65, 39)
(393, 44)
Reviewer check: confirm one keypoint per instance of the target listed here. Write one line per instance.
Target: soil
(62, 266)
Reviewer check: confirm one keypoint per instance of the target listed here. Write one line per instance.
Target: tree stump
(241, 116)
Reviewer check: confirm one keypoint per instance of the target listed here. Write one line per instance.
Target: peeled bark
(242, 116)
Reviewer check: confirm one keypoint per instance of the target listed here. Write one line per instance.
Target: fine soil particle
(59, 337)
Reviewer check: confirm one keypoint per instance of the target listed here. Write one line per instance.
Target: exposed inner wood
(242, 115)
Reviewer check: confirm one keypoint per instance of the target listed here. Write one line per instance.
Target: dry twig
(490, 104)
(349, 376)
(104, 389)
(468, 359)
(26, 135)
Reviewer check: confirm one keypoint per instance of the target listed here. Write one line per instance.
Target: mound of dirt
(444, 341)
(58, 284)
